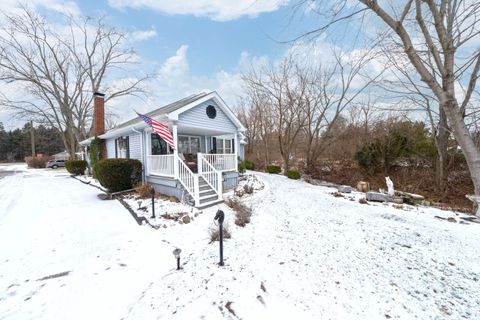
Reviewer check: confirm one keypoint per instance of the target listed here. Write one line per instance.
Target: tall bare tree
(57, 68)
(283, 89)
(436, 37)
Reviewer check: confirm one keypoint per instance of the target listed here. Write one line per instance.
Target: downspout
(141, 152)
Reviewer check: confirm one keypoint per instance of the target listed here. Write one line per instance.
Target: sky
(189, 46)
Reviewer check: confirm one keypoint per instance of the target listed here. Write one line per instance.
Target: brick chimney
(98, 114)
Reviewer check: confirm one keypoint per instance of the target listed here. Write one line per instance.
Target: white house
(208, 139)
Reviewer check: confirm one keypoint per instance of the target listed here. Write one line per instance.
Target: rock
(362, 201)
(363, 186)
(397, 200)
(239, 192)
(248, 188)
(375, 196)
(451, 219)
(186, 219)
(345, 189)
(104, 196)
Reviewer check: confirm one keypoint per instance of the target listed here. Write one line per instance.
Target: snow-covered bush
(76, 167)
(118, 174)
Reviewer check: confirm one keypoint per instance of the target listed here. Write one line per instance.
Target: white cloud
(143, 35)
(65, 7)
(219, 10)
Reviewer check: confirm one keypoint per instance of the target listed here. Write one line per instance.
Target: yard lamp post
(152, 192)
(220, 216)
(176, 253)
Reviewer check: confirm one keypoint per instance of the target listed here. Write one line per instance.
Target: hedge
(273, 169)
(36, 162)
(76, 167)
(118, 174)
(249, 165)
(293, 174)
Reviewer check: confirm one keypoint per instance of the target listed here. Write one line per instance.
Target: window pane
(159, 146)
(194, 145)
(183, 145)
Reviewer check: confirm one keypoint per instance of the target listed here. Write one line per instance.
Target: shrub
(118, 174)
(36, 162)
(143, 190)
(76, 167)
(240, 165)
(273, 169)
(249, 165)
(242, 211)
(293, 174)
(215, 234)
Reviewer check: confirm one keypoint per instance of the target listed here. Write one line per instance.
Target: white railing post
(175, 152)
(196, 189)
(199, 163)
(220, 184)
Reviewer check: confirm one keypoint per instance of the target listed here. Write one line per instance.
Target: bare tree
(329, 91)
(283, 89)
(57, 70)
(435, 37)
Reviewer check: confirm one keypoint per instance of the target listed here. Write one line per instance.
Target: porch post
(175, 151)
(235, 142)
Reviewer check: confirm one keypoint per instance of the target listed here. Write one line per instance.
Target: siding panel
(197, 117)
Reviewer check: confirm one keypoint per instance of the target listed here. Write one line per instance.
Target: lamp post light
(176, 253)
(152, 192)
(220, 216)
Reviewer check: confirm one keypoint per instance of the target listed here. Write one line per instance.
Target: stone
(451, 219)
(363, 186)
(345, 189)
(186, 219)
(376, 196)
(397, 200)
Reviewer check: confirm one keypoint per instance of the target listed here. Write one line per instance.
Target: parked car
(54, 164)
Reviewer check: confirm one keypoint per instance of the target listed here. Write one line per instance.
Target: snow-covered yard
(306, 254)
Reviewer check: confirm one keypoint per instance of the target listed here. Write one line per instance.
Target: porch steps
(208, 196)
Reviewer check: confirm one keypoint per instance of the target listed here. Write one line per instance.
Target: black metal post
(220, 216)
(152, 192)
(178, 263)
(221, 243)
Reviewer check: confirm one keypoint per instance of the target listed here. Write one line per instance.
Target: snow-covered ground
(306, 254)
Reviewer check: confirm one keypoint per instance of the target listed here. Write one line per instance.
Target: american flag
(160, 129)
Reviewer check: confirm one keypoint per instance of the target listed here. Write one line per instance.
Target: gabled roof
(173, 110)
(164, 110)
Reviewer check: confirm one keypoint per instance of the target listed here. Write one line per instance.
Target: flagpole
(175, 150)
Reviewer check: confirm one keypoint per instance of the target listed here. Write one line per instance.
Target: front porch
(204, 183)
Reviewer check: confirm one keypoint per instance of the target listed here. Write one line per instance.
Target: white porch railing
(222, 162)
(189, 180)
(161, 165)
(212, 177)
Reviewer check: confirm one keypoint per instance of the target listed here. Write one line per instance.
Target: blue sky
(190, 45)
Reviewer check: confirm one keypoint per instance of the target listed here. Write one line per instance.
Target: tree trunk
(441, 142)
(466, 142)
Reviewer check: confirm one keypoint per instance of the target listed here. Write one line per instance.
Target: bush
(36, 162)
(273, 169)
(76, 167)
(118, 174)
(242, 211)
(293, 174)
(241, 166)
(249, 165)
(215, 234)
(143, 190)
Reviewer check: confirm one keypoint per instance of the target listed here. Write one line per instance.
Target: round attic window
(211, 112)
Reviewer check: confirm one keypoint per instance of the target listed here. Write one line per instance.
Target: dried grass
(215, 232)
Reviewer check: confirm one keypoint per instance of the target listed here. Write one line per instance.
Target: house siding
(230, 180)
(135, 146)
(197, 117)
(110, 148)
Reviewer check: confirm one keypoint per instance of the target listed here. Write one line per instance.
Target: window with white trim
(224, 146)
